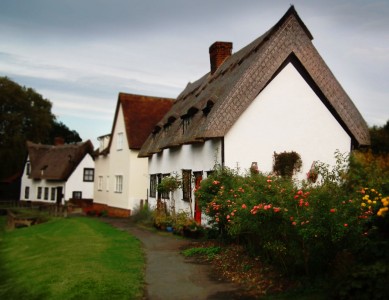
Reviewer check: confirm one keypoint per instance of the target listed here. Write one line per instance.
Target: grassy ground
(74, 258)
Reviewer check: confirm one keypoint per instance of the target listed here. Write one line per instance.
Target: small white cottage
(275, 95)
(55, 174)
(121, 181)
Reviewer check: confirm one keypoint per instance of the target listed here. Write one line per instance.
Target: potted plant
(168, 185)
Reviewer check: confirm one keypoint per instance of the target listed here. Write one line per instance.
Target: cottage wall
(195, 157)
(121, 162)
(286, 116)
(76, 183)
(101, 194)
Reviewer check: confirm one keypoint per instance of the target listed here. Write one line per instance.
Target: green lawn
(73, 258)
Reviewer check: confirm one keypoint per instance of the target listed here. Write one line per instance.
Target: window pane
(39, 193)
(46, 193)
(119, 143)
(52, 196)
(153, 185)
(77, 195)
(186, 185)
(118, 183)
(89, 174)
(100, 183)
(27, 192)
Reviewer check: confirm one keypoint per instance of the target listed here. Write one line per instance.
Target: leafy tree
(380, 139)
(25, 115)
(59, 129)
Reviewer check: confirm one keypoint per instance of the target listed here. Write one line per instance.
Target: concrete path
(169, 275)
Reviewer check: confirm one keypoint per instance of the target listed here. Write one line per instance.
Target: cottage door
(197, 210)
(59, 195)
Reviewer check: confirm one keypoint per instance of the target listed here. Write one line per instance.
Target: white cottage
(121, 177)
(274, 95)
(55, 174)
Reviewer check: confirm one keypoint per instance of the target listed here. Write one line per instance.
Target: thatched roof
(56, 162)
(210, 106)
(140, 113)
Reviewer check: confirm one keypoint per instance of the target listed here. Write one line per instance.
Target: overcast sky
(80, 54)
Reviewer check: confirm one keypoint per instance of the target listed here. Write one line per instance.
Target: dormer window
(208, 107)
(169, 122)
(156, 129)
(185, 123)
(28, 168)
(186, 119)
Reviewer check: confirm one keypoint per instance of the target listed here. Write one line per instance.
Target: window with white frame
(118, 183)
(119, 142)
(46, 195)
(39, 192)
(52, 195)
(100, 183)
(107, 184)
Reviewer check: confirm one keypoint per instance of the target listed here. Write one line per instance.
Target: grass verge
(74, 258)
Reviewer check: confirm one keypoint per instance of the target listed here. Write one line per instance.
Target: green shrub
(300, 229)
(142, 215)
(208, 252)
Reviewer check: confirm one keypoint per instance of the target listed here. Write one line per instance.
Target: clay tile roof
(141, 114)
(243, 75)
(56, 162)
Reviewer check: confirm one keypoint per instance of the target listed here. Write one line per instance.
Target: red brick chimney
(218, 52)
(58, 141)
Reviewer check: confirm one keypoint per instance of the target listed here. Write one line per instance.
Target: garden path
(169, 275)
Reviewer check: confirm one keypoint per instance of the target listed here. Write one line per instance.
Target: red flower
(244, 206)
(345, 225)
(332, 210)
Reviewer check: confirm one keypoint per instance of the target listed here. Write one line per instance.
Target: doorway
(197, 209)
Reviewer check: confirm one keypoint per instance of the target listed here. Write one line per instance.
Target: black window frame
(186, 185)
(153, 186)
(46, 193)
(89, 177)
(39, 192)
(27, 192)
(77, 195)
(52, 193)
(28, 168)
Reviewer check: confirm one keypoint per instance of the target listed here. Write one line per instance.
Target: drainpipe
(222, 150)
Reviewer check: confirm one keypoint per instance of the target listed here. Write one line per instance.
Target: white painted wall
(102, 169)
(124, 162)
(286, 116)
(34, 184)
(195, 157)
(76, 183)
